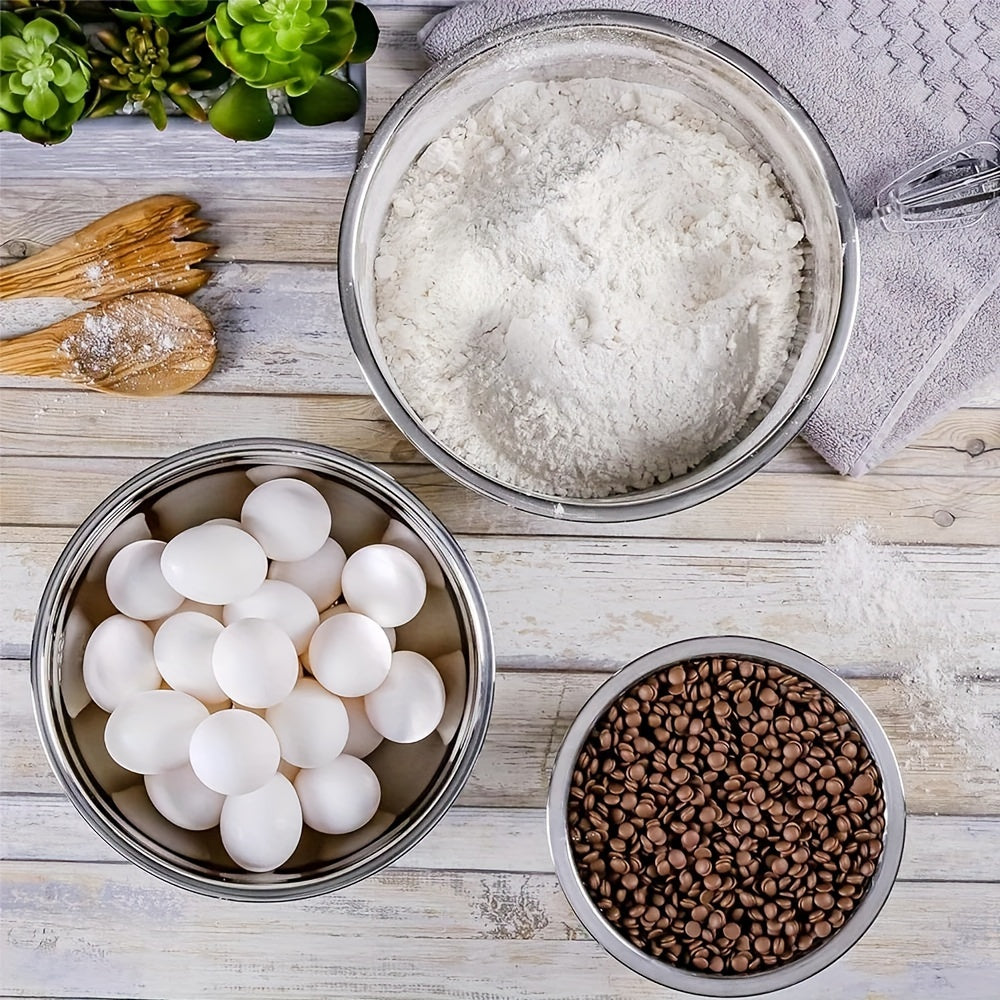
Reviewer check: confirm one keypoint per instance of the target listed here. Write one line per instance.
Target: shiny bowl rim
(626, 507)
(133, 844)
(661, 971)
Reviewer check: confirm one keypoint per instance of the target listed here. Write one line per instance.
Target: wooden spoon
(136, 248)
(147, 344)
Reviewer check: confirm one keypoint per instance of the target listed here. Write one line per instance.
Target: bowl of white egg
(262, 669)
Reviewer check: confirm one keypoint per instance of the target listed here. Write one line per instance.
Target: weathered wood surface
(474, 910)
(535, 706)
(410, 933)
(629, 595)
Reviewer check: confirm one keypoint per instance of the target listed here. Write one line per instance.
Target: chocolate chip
(863, 784)
(689, 839)
(726, 816)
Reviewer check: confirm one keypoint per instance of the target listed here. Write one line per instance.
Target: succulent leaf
(288, 39)
(366, 32)
(108, 105)
(12, 49)
(75, 88)
(242, 113)
(257, 38)
(190, 106)
(62, 73)
(245, 12)
(249, 65)
(163, 10)
(41, 31)
(330, 99)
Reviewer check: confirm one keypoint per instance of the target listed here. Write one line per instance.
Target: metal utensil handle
(934, 196)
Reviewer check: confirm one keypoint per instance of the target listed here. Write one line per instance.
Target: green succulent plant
(146, 64)
(289, 45)
(44, 77)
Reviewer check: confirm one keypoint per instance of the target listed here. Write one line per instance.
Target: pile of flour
(587, 286)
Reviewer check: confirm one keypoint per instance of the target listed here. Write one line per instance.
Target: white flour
(877, 591)
(587, 286)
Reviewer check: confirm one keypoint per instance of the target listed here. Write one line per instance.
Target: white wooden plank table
(474, 910)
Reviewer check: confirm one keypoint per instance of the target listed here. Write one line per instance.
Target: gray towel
(888, 83)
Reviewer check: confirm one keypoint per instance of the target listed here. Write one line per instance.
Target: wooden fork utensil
(139, 247)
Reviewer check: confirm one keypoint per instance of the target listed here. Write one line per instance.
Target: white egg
(343, 609)
(261, 829)
(338, 797)
(311, 724)
(409, 703)
(290, 608)
(118, 661)
(214, 563)
(255, 662)
(231, 521)
(136, 585)
(318, 576)
(362, 736)
(183, 648)
(349, 654)
(400, 535)
(385, 583)
(289, 518)
(151, 731)
(234, 752)
(181, 798)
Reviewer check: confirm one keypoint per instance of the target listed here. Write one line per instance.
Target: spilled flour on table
(875, 589)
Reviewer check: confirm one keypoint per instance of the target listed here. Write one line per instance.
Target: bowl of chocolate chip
(726, 816)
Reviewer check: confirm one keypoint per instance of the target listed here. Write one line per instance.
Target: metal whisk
(952, 189)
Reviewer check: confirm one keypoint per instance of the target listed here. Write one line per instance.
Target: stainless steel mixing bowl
(662, 971)
(639, 49)
(420, 781)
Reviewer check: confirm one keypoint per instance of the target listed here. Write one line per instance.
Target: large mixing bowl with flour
(635, 49)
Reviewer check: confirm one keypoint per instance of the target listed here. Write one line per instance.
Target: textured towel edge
(876, 448)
